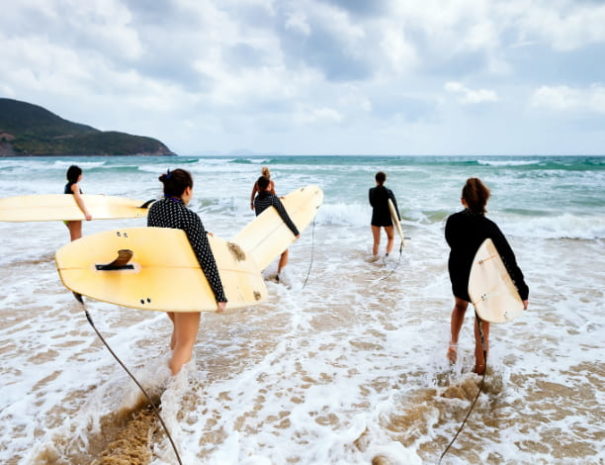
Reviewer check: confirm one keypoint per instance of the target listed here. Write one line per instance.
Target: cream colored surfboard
(396, 222)
(56, 207)
(162, 274)
(267, 236)
(491, 288)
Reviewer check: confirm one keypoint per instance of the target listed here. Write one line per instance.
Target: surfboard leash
(481, 384)
(153, 406)
(312, 254)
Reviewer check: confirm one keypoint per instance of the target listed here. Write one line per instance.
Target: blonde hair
(265, 172)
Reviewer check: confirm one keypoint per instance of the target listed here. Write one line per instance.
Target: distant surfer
(266, 198)
(74, 176)
(255, 190)
(381, 215)
(171, 212)
(465, 231)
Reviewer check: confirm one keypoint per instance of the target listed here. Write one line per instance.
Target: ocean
(349, 368)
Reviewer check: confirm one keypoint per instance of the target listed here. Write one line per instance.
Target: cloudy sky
(318, 76)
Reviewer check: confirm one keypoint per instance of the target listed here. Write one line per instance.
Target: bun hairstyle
(380, 177)
(175, 182)
(476, 195)
(73, 173)
(265, 172)
(262, 183)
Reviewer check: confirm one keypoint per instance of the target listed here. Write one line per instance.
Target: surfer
(255, 190)
(267, 198)
(381, 216)
(171, 212)
(74, 176)
(465, 231)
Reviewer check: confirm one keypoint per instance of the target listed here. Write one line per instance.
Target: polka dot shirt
(172, 213)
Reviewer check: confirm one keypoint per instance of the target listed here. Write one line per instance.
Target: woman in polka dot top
(171, 212)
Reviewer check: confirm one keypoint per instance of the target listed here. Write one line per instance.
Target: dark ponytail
(175, 182)
(73, 173)
(476, 195)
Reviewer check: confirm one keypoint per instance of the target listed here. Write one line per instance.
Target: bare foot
(479, 369)
(452, 353)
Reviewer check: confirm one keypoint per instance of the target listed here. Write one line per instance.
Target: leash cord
(154, 408)
(312, 254)
(483, 346)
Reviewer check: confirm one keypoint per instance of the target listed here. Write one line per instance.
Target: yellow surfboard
(156, 269)
(396, 223)
(57, 207)
(267, 236)
(491, 288)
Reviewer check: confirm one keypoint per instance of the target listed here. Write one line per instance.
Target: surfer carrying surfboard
(465, 231)
(266, 199)
(255, 190)
(381, 215)
(74, 176)
(171, 212)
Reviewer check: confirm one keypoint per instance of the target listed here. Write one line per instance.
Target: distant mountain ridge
(27, 129)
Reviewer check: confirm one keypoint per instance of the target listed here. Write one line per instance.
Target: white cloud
(470, 96)
(569, 99)
(317, 115)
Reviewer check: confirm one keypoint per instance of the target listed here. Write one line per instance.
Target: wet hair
(175, 182)
(73, 173)
(265, 171)
(476, 195)
(262, 183)
(380, 177)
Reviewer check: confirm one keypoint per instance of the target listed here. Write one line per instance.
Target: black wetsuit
(265, 200)
(172, 213)
(465, 232)
(381, 215)
(68, 190)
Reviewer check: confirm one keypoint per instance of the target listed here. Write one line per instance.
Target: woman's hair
(476, 195)
(73, 173)
(175, 182)
(265, 172)
(262, 183)
(380, 177)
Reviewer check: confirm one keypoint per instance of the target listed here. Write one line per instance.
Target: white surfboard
(491, 288)
(63, 207)
(396, 223)
(267, 236)
(156, 269)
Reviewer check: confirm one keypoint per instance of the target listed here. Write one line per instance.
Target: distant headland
(27, 129)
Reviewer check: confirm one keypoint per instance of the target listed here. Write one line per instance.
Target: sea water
(344, 365)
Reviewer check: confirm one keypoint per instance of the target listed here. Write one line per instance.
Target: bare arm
(75, 189)
(254, 191)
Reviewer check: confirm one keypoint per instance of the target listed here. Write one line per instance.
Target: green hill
(27, 129)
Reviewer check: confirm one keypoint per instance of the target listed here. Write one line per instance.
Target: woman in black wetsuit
(381, 215)
(465, 231)
(74, 176)
(171, 212)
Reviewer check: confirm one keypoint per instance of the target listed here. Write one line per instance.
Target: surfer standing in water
(265, 199)
(255, 190)
(74, 176)
(171, 212)
(465, 231)
(381, 215)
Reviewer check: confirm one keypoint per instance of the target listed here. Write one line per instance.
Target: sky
(401, 77)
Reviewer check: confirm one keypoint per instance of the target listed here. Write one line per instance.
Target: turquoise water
(349, 369)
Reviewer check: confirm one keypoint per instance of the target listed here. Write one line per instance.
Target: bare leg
(186, 326)
(75, 229)
(173, 337)
(283, 261)
(480, 361)
(390, 238)
(458, 312)
(376, 236)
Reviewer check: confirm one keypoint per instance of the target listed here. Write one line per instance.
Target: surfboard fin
(120, 263)
(146, 204)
